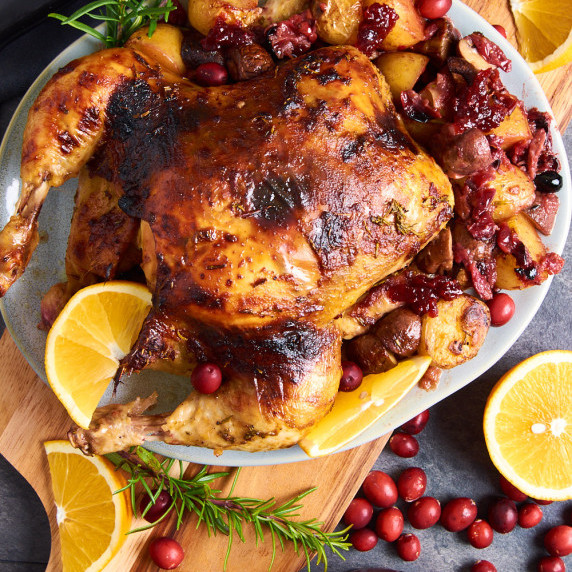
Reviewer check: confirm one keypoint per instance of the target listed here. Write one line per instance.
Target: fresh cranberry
(558, 540)
(358, 513)
(211, 74)
(503, 515)
(206, 377)
(389, 524)
(416, 424)
(433, 9)
(511, 491)
(352, 376)
(156, 510)
(424, 513)
(458, 514)
(480, 534)
(166, 553)
(500, 29)
(483, 566)
(408, 547)
(551, 564)
(529, 515)
(363, 539)
(380, 489)
(502, 308)
(411, 484)
(404, 445)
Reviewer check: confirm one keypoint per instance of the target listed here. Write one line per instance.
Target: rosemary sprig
(226, 515)
(123, 17)
(399, 215)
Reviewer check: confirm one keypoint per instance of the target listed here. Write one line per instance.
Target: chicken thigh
(263, 209)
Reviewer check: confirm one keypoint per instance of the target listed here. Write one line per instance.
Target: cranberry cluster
(380, 491)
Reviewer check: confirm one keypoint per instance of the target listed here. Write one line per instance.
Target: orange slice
(544, 31)
(354, 411)
(528, 425)
(93, 521)
(94, 331)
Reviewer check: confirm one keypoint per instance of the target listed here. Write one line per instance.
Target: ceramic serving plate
(21, 306)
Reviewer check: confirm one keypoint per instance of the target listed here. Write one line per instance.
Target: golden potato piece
(401, 70)
(337, 21)
(513, 129)
(507, 266)
(278, 10)
(457, 333)
(514, 192)
(409, 29)
(203, 13)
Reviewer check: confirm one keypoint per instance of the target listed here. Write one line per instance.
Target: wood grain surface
(30, 414)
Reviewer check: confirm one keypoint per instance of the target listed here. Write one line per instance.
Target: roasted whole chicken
(260, 213)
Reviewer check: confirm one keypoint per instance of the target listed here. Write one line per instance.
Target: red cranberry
(483, 566)
(380, 489)
(432, 9)
(558, 540)
(551, 564)
(166, 553)
(352, 376)
(358, 513)
(206, 377)
(529, 515)
(363, 539)
(480, 534)
(417, 424)
(389, 524)
(404, 445)
(411, 484)
(511, 491)
(211, 74)
(458, 514)
(408, 547)
(500, 29)
(424, 512)
(502, 309)
(157, 510)
(503, 515)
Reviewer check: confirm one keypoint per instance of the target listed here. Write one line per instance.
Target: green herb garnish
(226, 515)
(123, 17)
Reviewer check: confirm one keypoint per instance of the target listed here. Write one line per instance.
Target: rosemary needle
(122, 18)
(228, 514)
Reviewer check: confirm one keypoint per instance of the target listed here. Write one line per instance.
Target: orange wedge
(354, 411)
(544, 31)
(528, 425)
(94, 331)
(93, 522)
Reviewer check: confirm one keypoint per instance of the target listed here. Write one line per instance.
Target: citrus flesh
(528, 425)
(94, 331)
(92, 521)
(354, 411)
(544, 31)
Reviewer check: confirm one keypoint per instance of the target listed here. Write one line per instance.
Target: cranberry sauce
(226, 35)
(294, 36)
(378, 20)
(421, 292)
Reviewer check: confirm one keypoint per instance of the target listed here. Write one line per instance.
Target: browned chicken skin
(265, 210)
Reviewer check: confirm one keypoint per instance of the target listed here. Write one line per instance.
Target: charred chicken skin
(263, 210)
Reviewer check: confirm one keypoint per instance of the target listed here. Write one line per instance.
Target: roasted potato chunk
(203, 13)
(509, 273)
(399, 331)
(514, 191)
(337, 21)
(164, 46)
(409, 29)
(513, 129)
(457, 333)
(401, 70)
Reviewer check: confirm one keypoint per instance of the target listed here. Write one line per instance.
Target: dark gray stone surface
(452, 453)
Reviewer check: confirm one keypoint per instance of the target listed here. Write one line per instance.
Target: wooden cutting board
(30, 414)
